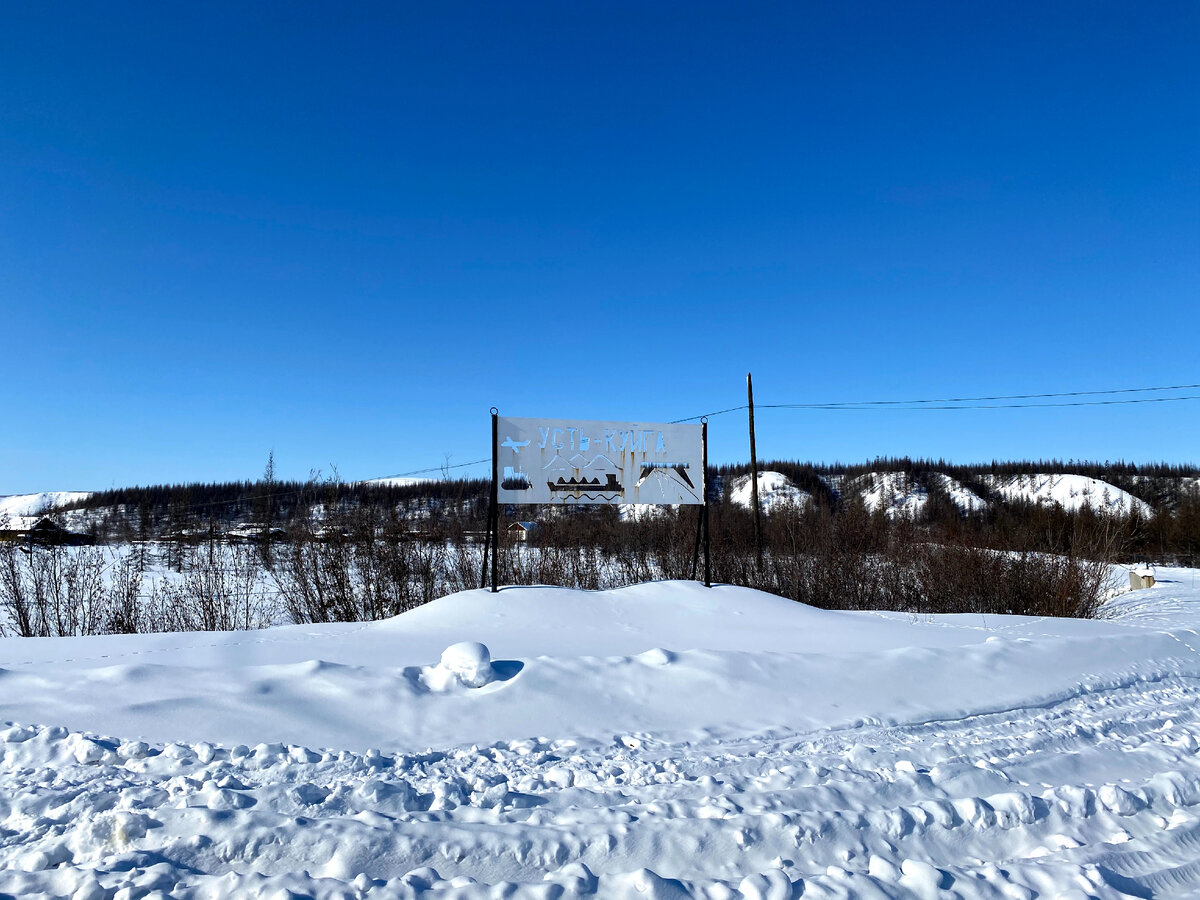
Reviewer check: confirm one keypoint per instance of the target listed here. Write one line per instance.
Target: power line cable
(967, 406)
(942, 404)
(960, 402)
(956, 400)
(426, 471)
(719, 412)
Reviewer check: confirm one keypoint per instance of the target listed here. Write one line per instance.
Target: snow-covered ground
(1071, 492)
(655, 741)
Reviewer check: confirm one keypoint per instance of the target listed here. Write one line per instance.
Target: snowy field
(656, 741)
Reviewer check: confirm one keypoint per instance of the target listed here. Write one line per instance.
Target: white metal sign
(568, 461)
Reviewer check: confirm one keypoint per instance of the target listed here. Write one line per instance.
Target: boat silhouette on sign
(610, 485)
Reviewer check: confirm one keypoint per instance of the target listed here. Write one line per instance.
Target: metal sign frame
(569, 462)
(630, 463)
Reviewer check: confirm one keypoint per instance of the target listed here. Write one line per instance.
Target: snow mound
(1071, 492)
(775, 491)
(468, 662)
(590, 663)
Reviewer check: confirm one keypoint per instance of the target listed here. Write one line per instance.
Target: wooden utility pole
(758, 544)
(704, 508)
(702, 522)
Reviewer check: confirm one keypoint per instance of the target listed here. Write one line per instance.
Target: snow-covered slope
(960, 495)
(21, 511)
(657, 741)
(37, 504)
(896, 492)
(902, 495)
(775, 490)
(1071, 492)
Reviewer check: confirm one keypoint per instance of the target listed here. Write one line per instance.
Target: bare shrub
(56, 591)
(221, 591)
(16, 590)
(464, 565)
(69, 596)
(355, 565)
(126, 612)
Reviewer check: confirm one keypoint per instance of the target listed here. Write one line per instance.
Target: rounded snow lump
(470, 661)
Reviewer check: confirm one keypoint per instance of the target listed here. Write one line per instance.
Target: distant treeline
(138, 512)
(152, 507)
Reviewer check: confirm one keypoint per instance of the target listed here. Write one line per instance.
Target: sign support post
(493, 527)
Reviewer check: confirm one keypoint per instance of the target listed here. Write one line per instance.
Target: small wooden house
(521, 531)
(43, 531)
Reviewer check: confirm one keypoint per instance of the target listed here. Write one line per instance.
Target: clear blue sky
(344, 231)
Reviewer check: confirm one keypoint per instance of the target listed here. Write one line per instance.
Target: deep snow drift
(659, 740)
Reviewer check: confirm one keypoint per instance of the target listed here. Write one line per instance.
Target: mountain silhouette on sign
(558, 464)
(600, 461)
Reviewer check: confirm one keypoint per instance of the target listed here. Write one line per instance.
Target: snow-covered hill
(775, 490)
(38, 504)
(896, 492)
(20, 511)
(960, 495)
(656, 741)
(1071, 492)
(900, 494)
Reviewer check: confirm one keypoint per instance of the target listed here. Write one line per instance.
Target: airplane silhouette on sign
(515, 446)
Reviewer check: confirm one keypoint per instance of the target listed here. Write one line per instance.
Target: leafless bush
(858, 561)
(127, 613)
(16, 590)
(220, 590)
(60, 591)
(464, 566)
(355, 565)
